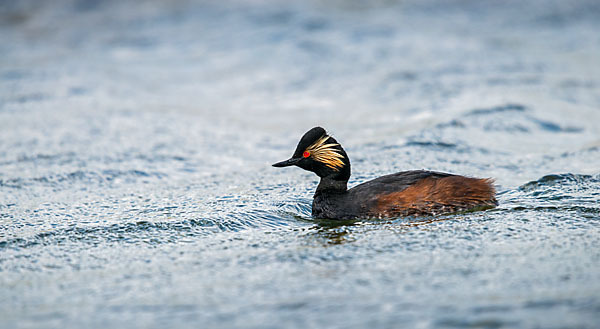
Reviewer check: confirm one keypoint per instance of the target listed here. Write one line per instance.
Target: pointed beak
(286, 163)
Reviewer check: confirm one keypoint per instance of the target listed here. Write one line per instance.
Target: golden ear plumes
(326, 153)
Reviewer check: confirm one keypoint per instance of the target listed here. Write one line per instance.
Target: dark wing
(393, 183)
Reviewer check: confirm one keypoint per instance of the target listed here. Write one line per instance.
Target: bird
(414, 193)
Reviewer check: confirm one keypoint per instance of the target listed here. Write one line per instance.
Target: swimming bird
(406, 193)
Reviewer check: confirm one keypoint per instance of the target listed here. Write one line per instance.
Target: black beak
(286, 163)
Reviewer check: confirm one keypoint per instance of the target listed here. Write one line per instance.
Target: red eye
(306, 154)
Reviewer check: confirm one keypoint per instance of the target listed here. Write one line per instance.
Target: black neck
(331, 185)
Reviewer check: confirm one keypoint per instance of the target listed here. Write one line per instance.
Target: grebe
(407, 193)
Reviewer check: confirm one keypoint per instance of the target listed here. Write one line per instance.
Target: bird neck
(329, 185)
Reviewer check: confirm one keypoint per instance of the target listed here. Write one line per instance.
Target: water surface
(136, 140)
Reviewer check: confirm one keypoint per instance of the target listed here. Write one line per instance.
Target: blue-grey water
(136, 139)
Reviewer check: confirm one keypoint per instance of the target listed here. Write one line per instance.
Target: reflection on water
(332, 233)
(136, 140)
(337, 232)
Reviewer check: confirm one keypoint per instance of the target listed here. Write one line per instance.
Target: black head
(321, 154)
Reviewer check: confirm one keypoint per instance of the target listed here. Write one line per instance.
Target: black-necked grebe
(407, 193)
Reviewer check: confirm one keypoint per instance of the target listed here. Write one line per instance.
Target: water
(136, 140)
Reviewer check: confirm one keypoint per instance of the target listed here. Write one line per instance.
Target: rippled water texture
(136, 140)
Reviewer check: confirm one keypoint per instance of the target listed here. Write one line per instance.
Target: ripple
(560, 193)
(498, 109)
(561, 180)
(95, 177)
